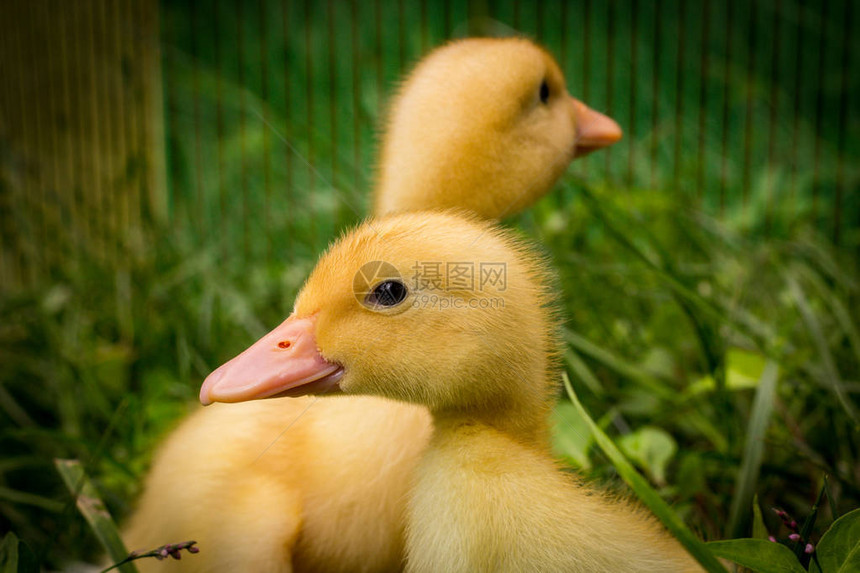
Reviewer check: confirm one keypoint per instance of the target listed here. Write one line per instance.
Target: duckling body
(254, 502)
(484, 502)
(487, 495)
(295, 485)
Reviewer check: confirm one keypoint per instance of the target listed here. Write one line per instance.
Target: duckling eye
(386, 294)
(544, 92)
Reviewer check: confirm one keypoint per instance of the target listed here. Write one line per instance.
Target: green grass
(721, 353)
(672, 326)
(677, 320)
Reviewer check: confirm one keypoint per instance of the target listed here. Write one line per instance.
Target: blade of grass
(812, 249)
(9, 405)
(16, 556)
(709, 308)
(571, 438)
(93, 509)
(646, 493)
(27, 498)
(711, 346)
(838, 310)
(753, 450)
(831, 376)
(710, 431)
(583, 372)
(834, 512)
(759, 528)
(809, 522)
(669, 278)
(622, 367)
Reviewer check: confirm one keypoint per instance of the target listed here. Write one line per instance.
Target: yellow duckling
(484, 125)
(487, 497)
(332, 496)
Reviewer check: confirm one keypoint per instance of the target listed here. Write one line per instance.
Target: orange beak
(593, 129)
(284, 362)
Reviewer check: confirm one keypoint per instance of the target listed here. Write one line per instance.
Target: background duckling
(488, 496)
(332, 497)
(485, 125)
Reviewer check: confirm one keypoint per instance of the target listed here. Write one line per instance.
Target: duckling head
(436, 309)
(486, 125)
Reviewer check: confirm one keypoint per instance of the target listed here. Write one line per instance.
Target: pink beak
(593, 129)
(285, 362)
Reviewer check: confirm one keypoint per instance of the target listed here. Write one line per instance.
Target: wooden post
(81, 137)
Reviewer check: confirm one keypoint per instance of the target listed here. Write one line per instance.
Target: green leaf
(839, 548)
(652, 449)
(744, 368)
(93, 509)
(758, 555)
(16, 556)
(645, 492)
(572, 437)
(743, 371)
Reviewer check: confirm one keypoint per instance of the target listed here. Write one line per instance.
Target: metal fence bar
(748, 123)
(107, 124)
(704, 66)
(30, 50)
(121, 128)
(680, 34)
(633, 92)
(262, 27)
(795, 135)
(52, 209)
(611, 17)
(309, 110)
(18, 271)
(200, 198)
(289, 195)
(819, 109)
(841, 185)
(70, 172)
(243, 110)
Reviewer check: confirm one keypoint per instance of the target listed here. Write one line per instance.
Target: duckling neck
(527, 424)
(520, 413)
(458, 516)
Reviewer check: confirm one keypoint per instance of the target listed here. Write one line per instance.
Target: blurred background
(169, 172)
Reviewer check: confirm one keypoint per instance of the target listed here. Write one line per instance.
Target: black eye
(544, 92)
(387, 294)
